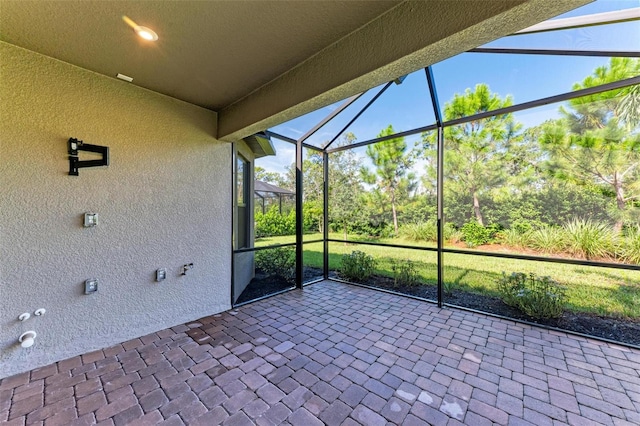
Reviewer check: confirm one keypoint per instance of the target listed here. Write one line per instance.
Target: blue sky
(523, 77)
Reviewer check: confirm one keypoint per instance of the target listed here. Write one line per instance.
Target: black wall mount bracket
(76, 145)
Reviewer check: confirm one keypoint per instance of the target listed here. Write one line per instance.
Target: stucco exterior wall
(164, 201)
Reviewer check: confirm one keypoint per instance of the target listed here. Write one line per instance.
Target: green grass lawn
(603, 291)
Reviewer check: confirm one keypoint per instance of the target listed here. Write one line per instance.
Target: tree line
(583, 164)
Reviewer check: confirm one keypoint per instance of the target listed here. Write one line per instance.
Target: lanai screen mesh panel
(539, 170)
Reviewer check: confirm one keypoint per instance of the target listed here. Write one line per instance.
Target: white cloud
(293, 130)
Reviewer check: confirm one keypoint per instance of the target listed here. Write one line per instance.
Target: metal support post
(299, 217)
(325, 218)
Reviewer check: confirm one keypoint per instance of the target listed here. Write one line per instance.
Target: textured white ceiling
(259, 63)
(209, 53)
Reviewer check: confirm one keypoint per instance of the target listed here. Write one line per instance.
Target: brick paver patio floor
(339, 355)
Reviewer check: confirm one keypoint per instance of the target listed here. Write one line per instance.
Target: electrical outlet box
(161, 274)
(90, 286)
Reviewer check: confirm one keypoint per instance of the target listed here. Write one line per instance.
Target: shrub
(278, 262)
(311, 218)
(404, 273)
(548, 239)
(630, 250)
(368, 227)
(449, 232)
(494, 229)
(421, 231)
(512, 237)
(357, 266)
(382, 230)
(590, 239)
(474, 234)
(426, 231)
(273, 224)
(521, 226)
(455, 236)
(538, 297)
(511, 287)
(448, 287)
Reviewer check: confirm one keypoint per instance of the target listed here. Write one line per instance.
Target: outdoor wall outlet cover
(90, 286)
(161, 274)
(90, 220)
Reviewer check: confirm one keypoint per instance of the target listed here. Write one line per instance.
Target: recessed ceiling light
(143, 32)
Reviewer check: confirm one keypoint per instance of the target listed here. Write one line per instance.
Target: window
(242, 199)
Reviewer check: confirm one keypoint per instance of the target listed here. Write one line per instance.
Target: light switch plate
(90, 286)
(161, 274)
